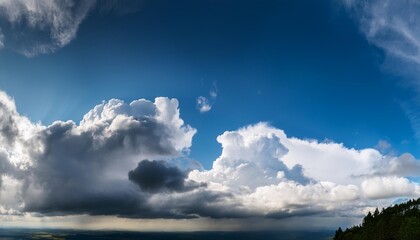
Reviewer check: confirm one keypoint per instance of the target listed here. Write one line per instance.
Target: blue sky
(318, 70)
(305, 67)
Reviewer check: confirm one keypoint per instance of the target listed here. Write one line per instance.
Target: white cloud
(391, 25)
(203, 104)
(387, 187)
(273, 175)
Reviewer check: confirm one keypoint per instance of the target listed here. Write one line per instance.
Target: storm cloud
(98, 167)
(156, 176)
(69, 168)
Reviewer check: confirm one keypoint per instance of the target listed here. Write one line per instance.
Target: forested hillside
(401, 221)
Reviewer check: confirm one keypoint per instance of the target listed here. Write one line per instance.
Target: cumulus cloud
(386, 187)
(273, 175)
(97, 167)
(69, 168)
(404, 165)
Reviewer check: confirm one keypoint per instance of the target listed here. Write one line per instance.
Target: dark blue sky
(303, 66)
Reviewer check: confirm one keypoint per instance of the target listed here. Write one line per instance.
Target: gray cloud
(39, 27)
(69, 168)
(404, 165)
(156, 176)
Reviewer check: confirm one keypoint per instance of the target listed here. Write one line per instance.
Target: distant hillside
(401, 221)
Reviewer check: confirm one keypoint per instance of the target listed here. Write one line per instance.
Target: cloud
(404, 165)
(390, 25)
(69, 168)
(1, 40)
(272, 175)
(203, 104)
(213, 92)
(394, 28)
(96, 167)
(386, 187)
(156, 176)
(41, 26)
(383, 146)
(32, 27)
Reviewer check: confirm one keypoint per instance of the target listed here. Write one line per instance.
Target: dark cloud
(67, 199)
(155, 176)
(8, 124)
(70, 172)
(68, 168)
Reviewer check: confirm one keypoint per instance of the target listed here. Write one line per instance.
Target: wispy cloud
(213, 92)
(32, 27)
(394, 27)
(390, 25)
(1, 40)
(41, 26)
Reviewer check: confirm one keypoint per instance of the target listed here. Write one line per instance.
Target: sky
(207, 115)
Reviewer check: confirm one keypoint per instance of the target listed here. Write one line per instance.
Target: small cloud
(213, 94)
(203, 104)
(383, 146)
(213, 91)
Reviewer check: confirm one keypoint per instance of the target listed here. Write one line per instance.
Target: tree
(338, 234)
(401, 221)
